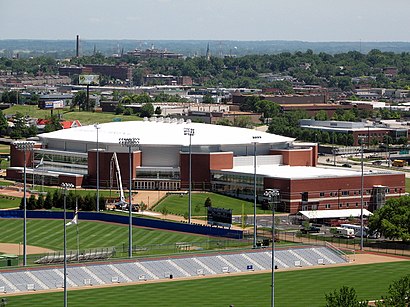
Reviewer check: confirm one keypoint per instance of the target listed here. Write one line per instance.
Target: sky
(305, 20)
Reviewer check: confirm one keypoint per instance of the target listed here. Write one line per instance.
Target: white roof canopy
(166, 133)
(329, 214)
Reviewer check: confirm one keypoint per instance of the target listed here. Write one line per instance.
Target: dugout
(9, 260)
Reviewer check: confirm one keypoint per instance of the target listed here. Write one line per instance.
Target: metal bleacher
(79, 275)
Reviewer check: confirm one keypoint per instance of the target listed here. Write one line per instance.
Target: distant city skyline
(314, 21)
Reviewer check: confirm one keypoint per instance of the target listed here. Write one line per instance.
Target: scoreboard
(220, 217)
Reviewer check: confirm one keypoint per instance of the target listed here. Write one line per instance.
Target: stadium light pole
(361, 196)
(65, 187)
(24, 146)
(130, 143)
(273, 196)
(97, 127)
(191, 133)
(254, 190)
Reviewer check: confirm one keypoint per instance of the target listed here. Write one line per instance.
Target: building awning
(333, 214)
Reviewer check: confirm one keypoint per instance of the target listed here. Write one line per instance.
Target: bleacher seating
(122, 272)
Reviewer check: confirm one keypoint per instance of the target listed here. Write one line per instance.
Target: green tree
(268, 108)
(224, 122)
(53, 124)
(20, 126)
(143, 206)
(119, 109)
(249, 103)
(34, 98)
(399, 294)
(321, 115)
(48, 202)
(128, 111)
(80, 100)
(3, 124)
(22, 203)
(243, 122)
(141, 98)
(344, 297)
(40, 202)
(393, 219)
(208, 202)
(9, 97)
(57, 199)
(147, 110)
(31, 204)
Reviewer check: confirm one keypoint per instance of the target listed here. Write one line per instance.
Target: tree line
(329, 70)
(288, 123)
(56, 200)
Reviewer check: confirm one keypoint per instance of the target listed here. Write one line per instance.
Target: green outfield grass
(300, 288)
(177, 204)
(49, 234)
(86, 118)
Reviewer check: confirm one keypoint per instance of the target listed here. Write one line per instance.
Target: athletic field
(292, 288)
(49, 234)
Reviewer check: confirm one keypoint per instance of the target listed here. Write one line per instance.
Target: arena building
(222, 158)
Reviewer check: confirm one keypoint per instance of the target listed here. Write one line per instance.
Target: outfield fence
(139, 251)
(121, 219)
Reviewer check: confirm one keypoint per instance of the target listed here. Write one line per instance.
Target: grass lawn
(4, 149)
(6, 183)
(49, 234)
(7, 202)
(293, 288)
(86, 118)
(177, 204)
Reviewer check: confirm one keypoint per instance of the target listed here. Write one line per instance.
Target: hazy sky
(307, 20)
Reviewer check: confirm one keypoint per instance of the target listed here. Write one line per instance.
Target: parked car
(311, 229)
(346, 165)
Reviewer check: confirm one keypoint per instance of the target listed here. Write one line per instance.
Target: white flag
(75, 219)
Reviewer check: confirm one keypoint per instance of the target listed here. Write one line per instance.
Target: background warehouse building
(223, 160)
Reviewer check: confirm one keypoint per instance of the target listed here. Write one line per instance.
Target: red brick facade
(104, 163)
(297, 157)
(202, 164)
(334, 193)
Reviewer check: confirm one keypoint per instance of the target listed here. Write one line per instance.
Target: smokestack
(77, 49)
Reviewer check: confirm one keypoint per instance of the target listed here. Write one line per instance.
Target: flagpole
(78, 234)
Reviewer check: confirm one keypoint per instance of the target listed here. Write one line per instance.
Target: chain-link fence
(369, 245)
(121, 251)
